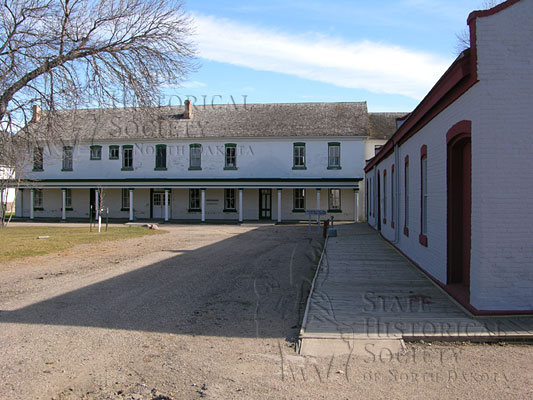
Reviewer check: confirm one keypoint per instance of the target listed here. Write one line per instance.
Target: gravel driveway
(208, 311)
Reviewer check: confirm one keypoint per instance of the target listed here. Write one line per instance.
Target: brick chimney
(36, 112)
(188, 110)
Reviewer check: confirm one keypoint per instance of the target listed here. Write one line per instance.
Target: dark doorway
(92, 211)
(459, 210)
(265, 203)
(379, 203)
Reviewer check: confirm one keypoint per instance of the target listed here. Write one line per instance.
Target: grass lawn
(23, 241)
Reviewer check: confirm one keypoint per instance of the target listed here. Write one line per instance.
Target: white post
(64, 204)
(279, 206)
(131, 204)
(166, 205)
(240, 205)
(32, 196)
(96, 204)
(356, 201)
(203, 205)
(318, 203)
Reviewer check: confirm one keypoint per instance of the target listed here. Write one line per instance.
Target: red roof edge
(491, 11)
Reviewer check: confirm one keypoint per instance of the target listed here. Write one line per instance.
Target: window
(229, 199)
(392, 197)
(195, 156)
(299, 200)
(334, 200)
(37, 198)
(385, 196)
(38, 159)
(194, 199)
(406, 196)
(96, 152)
(334, 155)
(68, 198)
(161, 157)
(231, 156)
(114, 152)
(67, 158)
(125, 199)
(423, 196)
(127, 158)
(299, 156)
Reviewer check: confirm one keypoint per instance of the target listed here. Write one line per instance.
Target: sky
(387, 53)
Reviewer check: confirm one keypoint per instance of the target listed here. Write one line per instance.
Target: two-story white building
(221, 162)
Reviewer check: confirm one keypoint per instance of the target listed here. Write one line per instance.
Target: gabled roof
(216, 121)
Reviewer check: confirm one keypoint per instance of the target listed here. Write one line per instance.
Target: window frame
(229, 199)
(114, 148)
(125, 200)
(297, 158)
(296, 198)
(38, 159)
(127, 148)
(193, 148)
(423, 239)
(67, 151)
(38, 197)
(229, 148)
(192, 197)
(334, 145)
(68, 199)
(331, 208)
(98, 156)
(160, 157)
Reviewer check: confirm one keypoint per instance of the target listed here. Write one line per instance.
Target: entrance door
(459, 210)
(92, 211)
(158, 204)
(379, 203)
(265, 203)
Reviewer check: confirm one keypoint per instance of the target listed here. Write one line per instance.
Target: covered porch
(247, 201)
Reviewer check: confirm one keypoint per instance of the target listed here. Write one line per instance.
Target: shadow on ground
(251, 285)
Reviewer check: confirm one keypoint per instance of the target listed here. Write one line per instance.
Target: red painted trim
(459, 128)
(491, 11)
(422, 239)
(392, 197)
(474, 311)
(384, 195)
(452, 85)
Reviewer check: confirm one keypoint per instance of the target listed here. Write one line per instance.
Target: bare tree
(463, 37)
(69, 54)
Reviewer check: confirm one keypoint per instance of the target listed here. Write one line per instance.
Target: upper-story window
(334, 155)
(114, 152)
(195, 156)
(161, 157)
(230, 156)
(127, 157)
(38, 159)
(67, 158)
(299, 156)
(96, 152)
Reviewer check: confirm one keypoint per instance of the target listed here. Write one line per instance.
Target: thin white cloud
(376, 67)
(192, 85)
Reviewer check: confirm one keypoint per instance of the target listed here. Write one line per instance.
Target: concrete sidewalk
(367, 294)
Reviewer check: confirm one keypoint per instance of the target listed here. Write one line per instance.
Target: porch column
(166, 205)
(63, 204)
(96, 204)
(19, 203)
(131, 205)
(32, 196)
(279, 206)
(203, 205)
(240, 205)
(356, 203)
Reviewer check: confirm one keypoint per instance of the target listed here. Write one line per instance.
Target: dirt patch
(208, 312)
